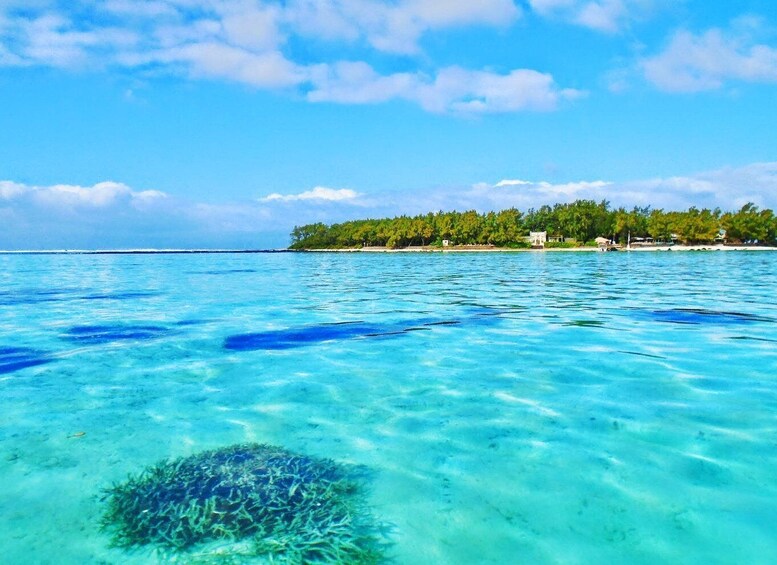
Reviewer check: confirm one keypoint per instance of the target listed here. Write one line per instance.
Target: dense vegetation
(576, 223)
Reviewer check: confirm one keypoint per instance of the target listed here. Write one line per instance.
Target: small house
(538, 238)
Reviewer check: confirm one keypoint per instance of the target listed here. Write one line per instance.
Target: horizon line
(147, 251)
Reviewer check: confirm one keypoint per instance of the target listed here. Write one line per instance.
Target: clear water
(578, 412)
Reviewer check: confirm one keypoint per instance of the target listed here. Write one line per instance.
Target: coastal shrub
(559, 245)
(518, 245)
(281, 505)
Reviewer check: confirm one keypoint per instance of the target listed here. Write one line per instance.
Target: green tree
(748, 224)
(582, 219)
(698, 226)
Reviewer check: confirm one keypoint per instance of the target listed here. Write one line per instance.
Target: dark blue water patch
(698, 316)
(27, 296)
(35, 292)
(120, 295)
(107, 333)
(299, 337)
(310, 335)
(32, 296)
(395, 333)
(194, 322)
(16, 358)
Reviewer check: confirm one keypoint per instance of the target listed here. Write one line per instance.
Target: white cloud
(524, 194)
(52, 39)
(512, 182)
(114, 215)
(10, 190)
(727, 188)
(49, 37)
(358, 83)
(608, 16)
(255, 28)
(246, 41)
(394, 27)
(269, 69)
(453, 89)
(66, 196)
(692, 63)
(319, 193)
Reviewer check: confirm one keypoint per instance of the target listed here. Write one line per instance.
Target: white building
(538, 238)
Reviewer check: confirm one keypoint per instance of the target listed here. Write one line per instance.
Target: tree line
(576, 223)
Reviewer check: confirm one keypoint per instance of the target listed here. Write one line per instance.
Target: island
(580, 225)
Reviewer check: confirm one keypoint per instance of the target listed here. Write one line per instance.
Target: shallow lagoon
(532, 407)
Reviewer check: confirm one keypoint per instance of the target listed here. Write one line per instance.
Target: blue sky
(205, 123)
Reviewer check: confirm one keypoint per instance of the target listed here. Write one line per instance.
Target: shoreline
(412, 249)
(492, 249)
(135, 251)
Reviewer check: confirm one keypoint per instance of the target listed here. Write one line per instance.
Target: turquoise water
(512, 408)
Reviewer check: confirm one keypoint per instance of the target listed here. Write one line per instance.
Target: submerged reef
(299, 337)
(703, 316)
(287, 507)
(17, 358)
(107, 333)
(290, 338)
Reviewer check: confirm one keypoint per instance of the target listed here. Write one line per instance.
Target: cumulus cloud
(394, 27)
(269, 69)
(318, 193)
(692, 63)
(111, 215)
(54, 40)
(727, 188)
(453, 89)
(512, 182)
(67, 196)
(524, 194)
(247, 41)
(608, 16)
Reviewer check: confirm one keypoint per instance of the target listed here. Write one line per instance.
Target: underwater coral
(291, 508)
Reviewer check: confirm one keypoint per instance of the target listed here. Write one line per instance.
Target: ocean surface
(510, 408)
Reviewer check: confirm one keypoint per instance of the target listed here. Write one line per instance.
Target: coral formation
(290, 507)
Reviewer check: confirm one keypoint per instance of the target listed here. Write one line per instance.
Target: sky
(224, 123)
